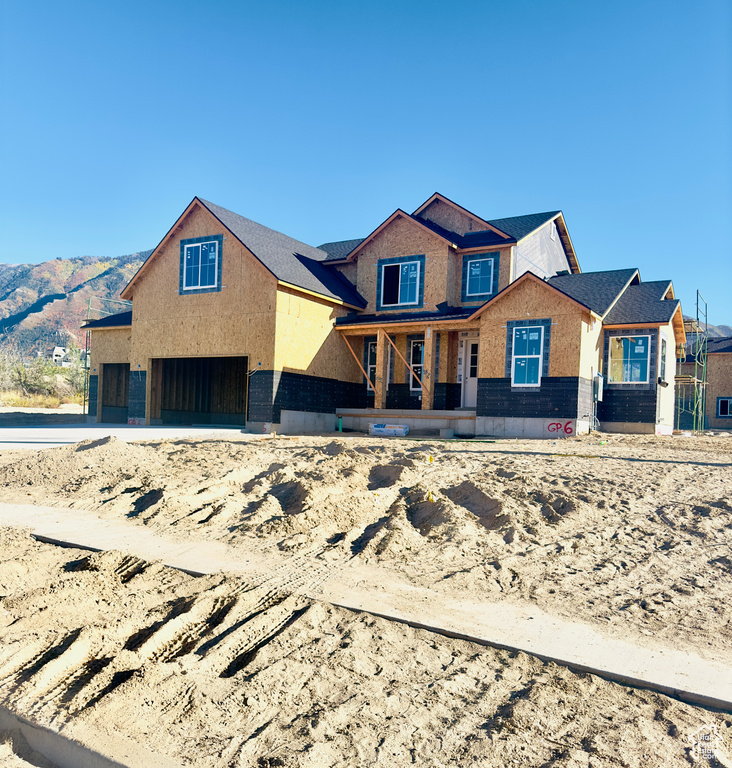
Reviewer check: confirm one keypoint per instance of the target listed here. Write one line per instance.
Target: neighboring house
(438, 318)
(60, 356)
(719, 383)
(710, 385)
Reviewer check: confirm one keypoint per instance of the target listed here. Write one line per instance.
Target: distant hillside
(715, 331)
(45, 304)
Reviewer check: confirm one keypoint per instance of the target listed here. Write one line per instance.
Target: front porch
(410, 367)
(446, 423)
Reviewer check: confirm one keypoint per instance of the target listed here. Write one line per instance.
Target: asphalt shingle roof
(288, 259)
(470, 240)
(446, 313)
(643, 303)
(340, 249)
(718, 345)
(596, 290)
(120, 320)
(520, 226)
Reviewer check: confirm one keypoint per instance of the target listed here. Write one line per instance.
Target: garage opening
(115, 392)
(199, 390)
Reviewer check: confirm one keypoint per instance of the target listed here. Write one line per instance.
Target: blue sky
(320, 118)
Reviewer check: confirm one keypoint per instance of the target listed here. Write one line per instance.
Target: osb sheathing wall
(404, 237)
(719, 384)
(110, 346)
(532, 300)
(450, 218)
(236, 321)
(504, 275)
(306, 341)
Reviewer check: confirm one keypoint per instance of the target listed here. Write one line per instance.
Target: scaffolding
(691, 380)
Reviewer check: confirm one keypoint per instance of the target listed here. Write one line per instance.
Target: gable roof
(340, 249)
(288, 260)
(719, 345)
(448, 237)
(520, 226)
(643, 303)
(120, 320)
(478, 239)
(444, 312)
(596, 290)
(436, 196)
(529, 276)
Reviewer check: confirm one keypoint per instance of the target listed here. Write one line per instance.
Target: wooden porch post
(382, 370)
(428, 369)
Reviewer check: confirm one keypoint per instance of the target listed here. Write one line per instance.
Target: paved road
(376, 590)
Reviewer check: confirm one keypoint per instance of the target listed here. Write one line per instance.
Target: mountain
(43, 305)
(715, 331)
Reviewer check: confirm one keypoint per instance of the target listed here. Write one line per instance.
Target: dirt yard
(630, 533)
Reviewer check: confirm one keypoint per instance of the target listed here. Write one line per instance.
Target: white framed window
(416, 360)
(371, 365)
(526, 362)
(629, 356)
(479, 280)
(400, 284)
(200, 265)
(662, 367)
(724, 407)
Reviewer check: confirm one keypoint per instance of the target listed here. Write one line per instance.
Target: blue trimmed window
(480, 276)
(724, 407)
(200, 264)
(527, 352)
(400, 282)
(528, 348)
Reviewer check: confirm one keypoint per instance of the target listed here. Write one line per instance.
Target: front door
(470, 377)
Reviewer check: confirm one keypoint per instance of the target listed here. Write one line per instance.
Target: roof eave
(325, 297)
(528, 276)
(447, 201)
(636, 273)
(126, 292)
(399, 213)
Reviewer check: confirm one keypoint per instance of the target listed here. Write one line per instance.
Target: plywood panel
(532, 299)
(115, 385)
(450, 218)
(236, 321)
(203, 385)
(404, 237)
(110, 346)
(306, 340)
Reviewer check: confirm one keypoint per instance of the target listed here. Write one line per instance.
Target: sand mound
(629, 531)
(221, 671)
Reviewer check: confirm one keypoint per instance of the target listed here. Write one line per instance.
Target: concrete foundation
(534, 428)
(296, 422)
(629, 427)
